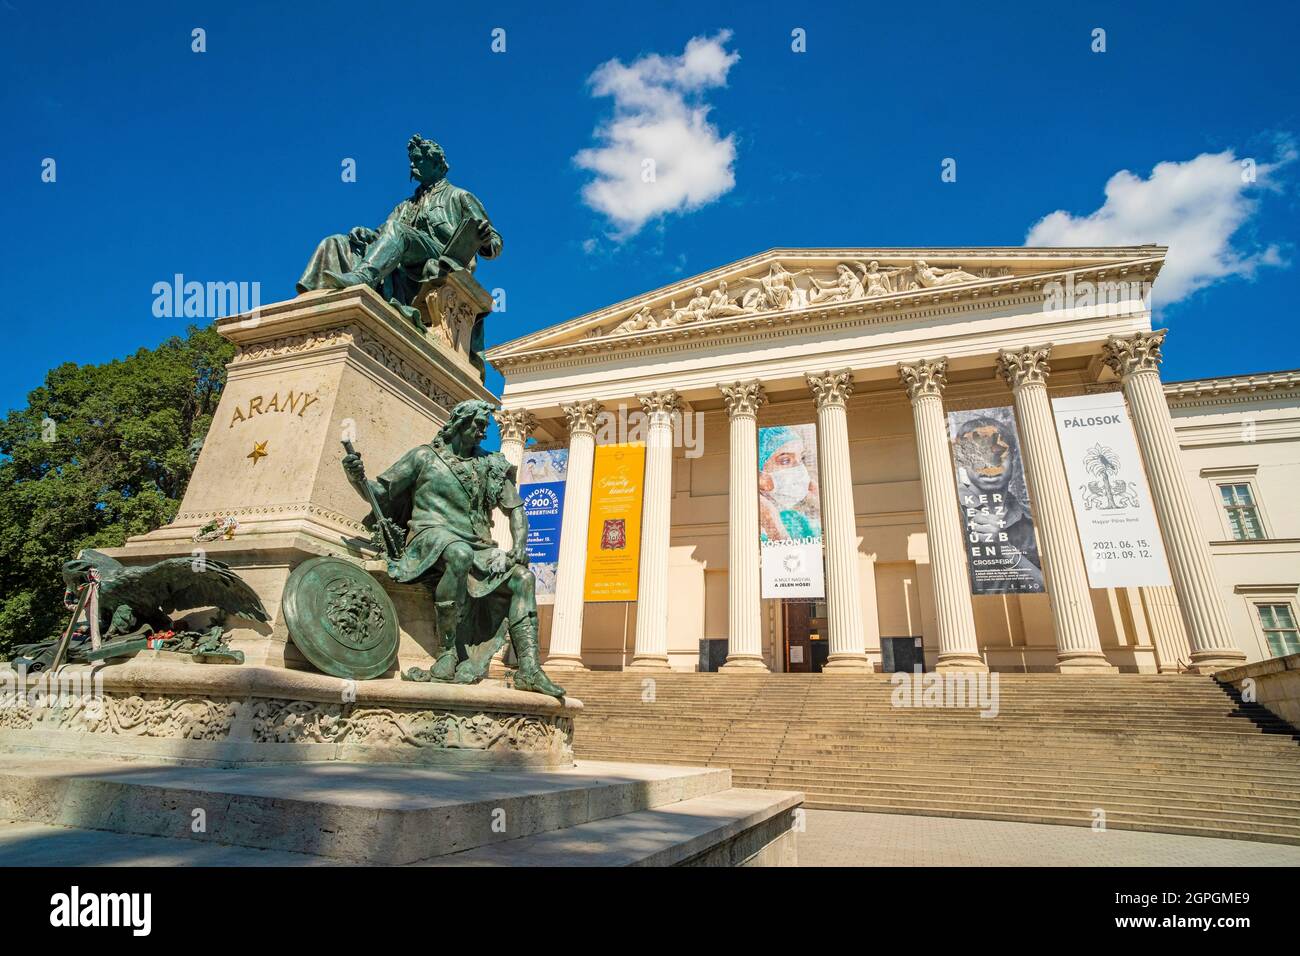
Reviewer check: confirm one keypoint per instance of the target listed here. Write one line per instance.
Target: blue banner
(541, 486)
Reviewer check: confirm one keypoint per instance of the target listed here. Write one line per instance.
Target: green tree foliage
(100, 452)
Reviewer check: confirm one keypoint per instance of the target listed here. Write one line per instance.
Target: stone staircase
(1167, 753)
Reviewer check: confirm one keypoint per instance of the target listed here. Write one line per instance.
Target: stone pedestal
(245, 715)
(307, 373)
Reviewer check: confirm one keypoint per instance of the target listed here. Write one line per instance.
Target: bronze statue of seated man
(412, 245)
(443, 493)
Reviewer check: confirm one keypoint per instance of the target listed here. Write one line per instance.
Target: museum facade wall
(876, 365)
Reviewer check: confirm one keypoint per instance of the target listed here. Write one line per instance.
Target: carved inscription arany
(290, 402)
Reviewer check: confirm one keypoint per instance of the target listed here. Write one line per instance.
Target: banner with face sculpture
(1001, 550)
(789, 512)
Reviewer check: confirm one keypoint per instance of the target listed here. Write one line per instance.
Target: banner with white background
(1108, 487)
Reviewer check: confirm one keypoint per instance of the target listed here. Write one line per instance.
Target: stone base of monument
(592, 814)
(152, 708)
(308, 373)
(381, 771)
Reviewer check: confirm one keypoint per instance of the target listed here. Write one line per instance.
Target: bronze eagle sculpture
(130, 597)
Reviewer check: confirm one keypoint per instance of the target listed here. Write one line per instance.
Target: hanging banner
(541, 486)
(614, 530)
(1001, 550)
(1108, 486)
(789, 512)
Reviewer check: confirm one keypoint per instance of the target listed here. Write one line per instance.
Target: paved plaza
(840, 838)
(833, 838)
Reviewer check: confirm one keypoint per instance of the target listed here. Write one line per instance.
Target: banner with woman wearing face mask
(789, 512)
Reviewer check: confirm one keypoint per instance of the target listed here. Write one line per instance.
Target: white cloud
(659, 115)
(1194, 207)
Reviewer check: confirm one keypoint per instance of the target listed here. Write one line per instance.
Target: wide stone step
(973, 751)
(1171, 752)
(733, 827)
(1113, 821)
(356, 812)
(1182, 804)
(1129, 765)
(920, 777)
(1077, 810)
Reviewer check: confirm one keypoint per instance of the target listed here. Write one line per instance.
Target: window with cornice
(1280, 630)
(1238, 499)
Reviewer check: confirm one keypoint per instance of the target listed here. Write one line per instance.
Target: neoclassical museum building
(873, 351)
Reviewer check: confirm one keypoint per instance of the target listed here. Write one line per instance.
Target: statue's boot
(383, 255)
(530, 676)
(444, 666)
(363, 274)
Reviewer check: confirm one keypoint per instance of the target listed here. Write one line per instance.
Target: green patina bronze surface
(442, 494)
(441, 228)
(133, 596)
(135, 605)
(340, 618)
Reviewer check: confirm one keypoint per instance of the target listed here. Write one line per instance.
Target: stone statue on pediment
(638, 321)
(931, 276)
(878, 281)
(698, 306)
(721, 305)
(846, 287)
(775, 291)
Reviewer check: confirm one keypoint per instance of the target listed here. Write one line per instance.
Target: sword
(393, 543)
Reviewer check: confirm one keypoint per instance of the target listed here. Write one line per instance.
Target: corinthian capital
(582, 415)
(927, 377)
(831, 387)
(660, 405)
(1025, 367)
(743, 398)
(516, 424)
(1130, 354)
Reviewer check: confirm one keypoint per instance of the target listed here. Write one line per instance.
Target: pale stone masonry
(566, 631)
(652, 604)
(876, 357)
(1135, 359)
(831, 389)
(958, 649)
(744, 623)
(1073, 621)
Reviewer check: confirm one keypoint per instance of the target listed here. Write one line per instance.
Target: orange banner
(614, 531)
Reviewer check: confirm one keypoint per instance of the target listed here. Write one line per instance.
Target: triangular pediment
(807, 282)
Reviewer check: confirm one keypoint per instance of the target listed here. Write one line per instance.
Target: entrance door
(901, 654)
(806, 647)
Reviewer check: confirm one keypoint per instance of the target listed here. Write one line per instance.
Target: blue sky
(225, 165)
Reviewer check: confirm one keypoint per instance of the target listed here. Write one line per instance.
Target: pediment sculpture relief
(781, 290)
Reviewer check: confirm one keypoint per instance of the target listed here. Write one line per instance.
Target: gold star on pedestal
(259, 451)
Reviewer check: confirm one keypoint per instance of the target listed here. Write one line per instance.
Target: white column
(516, 425)
(651, 649)
(566, 620)
(1135, 359)
(1078, 646)
(831, 390)
(744, 628)
(954, 618)
(1168, 633)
